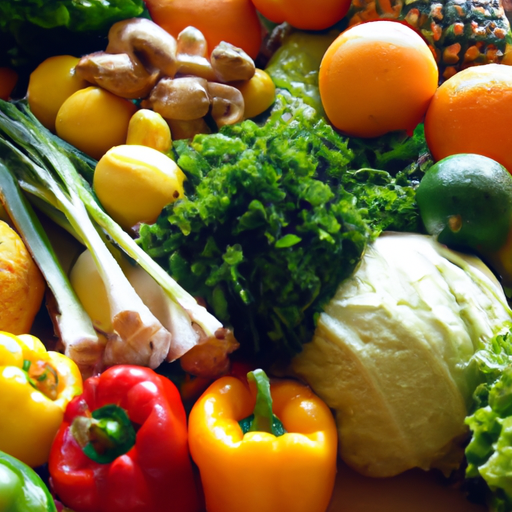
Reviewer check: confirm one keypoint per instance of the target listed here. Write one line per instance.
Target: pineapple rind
(460, 33)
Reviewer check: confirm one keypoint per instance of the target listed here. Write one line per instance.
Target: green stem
(106, 435)
(263, 419)
(75, 326)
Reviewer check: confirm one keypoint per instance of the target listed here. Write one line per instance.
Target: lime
(466, 201)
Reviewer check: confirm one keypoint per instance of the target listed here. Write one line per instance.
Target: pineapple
(460, 33)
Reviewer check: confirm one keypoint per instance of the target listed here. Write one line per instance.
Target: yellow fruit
(22, 285)
(149, 128)
(134, 183)
(94, 120)
(259, 93)
(50, 84)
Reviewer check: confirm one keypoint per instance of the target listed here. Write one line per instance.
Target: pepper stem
(106, 435)
(262, 419)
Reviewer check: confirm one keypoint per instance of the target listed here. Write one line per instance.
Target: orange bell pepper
(286, 459)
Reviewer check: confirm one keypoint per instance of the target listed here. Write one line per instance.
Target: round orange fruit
(471, 113)
(304, 14)
(233, 21)
(377, 77)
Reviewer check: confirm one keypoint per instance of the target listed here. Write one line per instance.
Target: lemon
(466, 201)
(94, 120)
(22, 285)
(50, 84)
(134, 183)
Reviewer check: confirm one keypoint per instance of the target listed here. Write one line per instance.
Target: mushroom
(227, 104)
(191, 54)
(231, 64)
(191, 41)
(145, 41)
(120, 74)
(187, 129)
(185, 98)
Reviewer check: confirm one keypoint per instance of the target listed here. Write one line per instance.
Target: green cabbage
(392, 353)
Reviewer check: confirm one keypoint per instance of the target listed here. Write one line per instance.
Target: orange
(377, 77)
(304, 14)
(233, 21)
(8, 80)
(471, 113)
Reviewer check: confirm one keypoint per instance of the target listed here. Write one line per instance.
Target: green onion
(46, 171)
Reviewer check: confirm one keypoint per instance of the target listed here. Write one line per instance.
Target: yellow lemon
(50, 84)
(94, 120)
(135, 182)
(22, 285)
(259, 93)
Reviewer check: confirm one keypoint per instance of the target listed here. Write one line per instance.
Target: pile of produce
(243, 241)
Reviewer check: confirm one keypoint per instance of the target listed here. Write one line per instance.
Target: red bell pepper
(123, 446)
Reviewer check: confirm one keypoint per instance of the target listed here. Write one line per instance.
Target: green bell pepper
(21, 488)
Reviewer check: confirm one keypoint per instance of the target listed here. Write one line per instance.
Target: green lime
(466, 201)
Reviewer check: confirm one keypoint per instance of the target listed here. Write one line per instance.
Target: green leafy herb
(269, 227)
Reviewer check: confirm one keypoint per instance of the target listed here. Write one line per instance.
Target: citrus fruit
(94, 120)
(134, 183)
(471, 113)
(304, 14)
(22, 285)
(259, 92)
(233, 21)
(377, 77)
(466, 201)
(52, 82)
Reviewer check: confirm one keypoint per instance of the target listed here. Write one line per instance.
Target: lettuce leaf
(489, 452)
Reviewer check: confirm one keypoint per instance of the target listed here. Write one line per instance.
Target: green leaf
(288, 241)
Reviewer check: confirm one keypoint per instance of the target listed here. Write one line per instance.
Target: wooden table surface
(413, 491)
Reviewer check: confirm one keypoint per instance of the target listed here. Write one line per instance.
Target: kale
(270, 225)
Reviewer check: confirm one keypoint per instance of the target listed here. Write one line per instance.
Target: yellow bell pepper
(286, 460)
(35, 388)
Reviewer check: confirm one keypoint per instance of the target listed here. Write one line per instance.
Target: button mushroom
(185, 98)
(146, 41)
(227, 104)
(187, 129)
(192, 54)
(231, 64)
(120, 74)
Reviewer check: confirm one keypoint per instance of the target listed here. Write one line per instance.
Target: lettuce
(489, 453)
